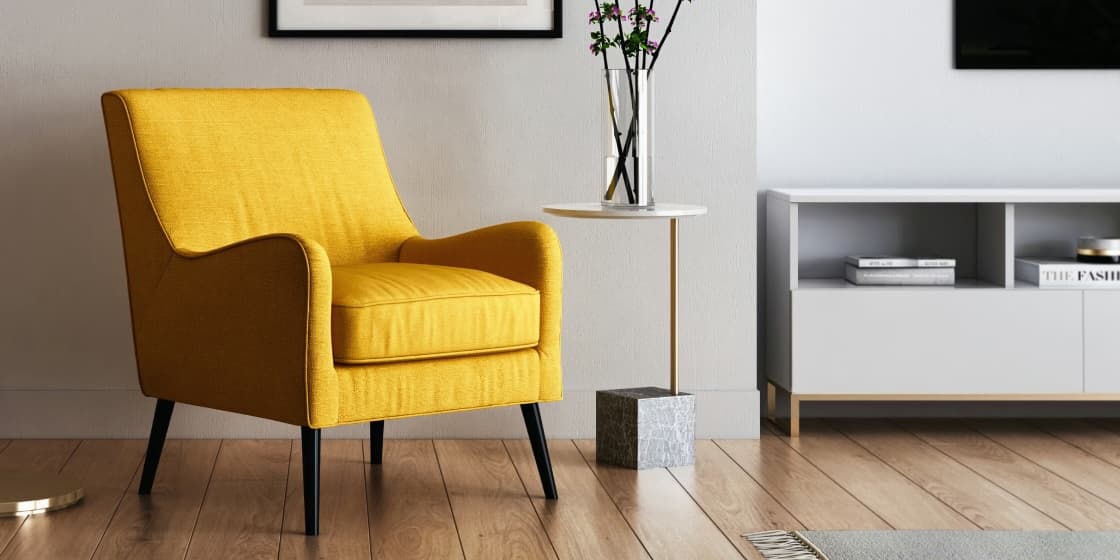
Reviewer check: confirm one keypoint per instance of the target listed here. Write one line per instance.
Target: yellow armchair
(273, 271)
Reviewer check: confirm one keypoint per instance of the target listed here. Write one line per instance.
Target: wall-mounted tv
(1037, 33)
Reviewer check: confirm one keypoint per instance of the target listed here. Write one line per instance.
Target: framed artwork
(415, 18)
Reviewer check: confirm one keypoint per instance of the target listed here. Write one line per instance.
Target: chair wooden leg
(535, 427)
(158, 435)
(376, 441)
(310, 442)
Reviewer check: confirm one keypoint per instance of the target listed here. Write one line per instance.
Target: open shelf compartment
(1051, 230)
(975, 234)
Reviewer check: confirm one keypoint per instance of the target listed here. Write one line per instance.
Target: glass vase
(627, 139)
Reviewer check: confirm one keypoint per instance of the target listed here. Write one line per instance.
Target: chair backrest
(206, 168)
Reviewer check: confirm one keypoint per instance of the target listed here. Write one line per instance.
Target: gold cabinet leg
(794, 425)
(771, 401)
(794, 416)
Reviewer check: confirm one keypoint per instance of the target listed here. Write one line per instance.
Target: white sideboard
(987, 338)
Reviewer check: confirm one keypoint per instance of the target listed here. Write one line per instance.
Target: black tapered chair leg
(310, 442)
(376, 441)
(158, 435)
(535, 427)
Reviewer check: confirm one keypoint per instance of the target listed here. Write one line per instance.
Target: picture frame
(402, 18)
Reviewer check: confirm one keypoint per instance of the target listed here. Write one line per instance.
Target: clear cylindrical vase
(628, 139)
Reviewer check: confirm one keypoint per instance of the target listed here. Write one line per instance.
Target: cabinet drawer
(1102, 341)
(936, 341)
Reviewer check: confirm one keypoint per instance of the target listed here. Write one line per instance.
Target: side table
(644, 427)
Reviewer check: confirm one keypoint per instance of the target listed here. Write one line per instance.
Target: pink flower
(641, 14)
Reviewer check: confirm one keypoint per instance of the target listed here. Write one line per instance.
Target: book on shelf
(1066, 273)
(860, 261)
(912, 276)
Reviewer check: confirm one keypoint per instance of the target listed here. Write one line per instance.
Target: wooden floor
(482, 499)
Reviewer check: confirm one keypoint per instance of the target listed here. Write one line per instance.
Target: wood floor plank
(661, 512)
(33, 456)
(343, 523)
(1061, 458)
(1090, 436)
(973, 496)
(492, 511)
(895, 498)
(731, 498)
(409, 513)
(241, 516)
(104, 468)
(443, 499)
(1056, 497)
(37, 454)
(584, 522)
(160, 525)
(799, 486)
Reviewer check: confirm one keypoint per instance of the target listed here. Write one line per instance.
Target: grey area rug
(936, 545)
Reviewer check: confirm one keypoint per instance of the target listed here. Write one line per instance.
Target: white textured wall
(477, 132)
(864, 93)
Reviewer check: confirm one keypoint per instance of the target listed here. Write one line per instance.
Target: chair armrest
(526, 252)
(244, 328)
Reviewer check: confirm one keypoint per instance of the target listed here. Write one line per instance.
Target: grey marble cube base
(645, 428)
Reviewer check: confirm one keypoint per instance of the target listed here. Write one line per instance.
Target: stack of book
(1066, 273)
(901, 271)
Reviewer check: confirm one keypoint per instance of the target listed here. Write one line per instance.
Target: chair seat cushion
(391, 312)
(402, 389)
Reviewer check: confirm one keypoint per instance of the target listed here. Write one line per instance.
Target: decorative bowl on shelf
(1102, 250)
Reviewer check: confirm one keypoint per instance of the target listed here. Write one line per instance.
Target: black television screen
(1037, 33)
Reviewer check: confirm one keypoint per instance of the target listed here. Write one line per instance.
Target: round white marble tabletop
(596, 210)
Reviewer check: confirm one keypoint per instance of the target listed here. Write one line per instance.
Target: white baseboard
(128, 414)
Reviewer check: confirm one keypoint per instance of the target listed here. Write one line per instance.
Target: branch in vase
(639, 46)
(625, 59)
(620, 167)
(630, 194)
(656, 55)
(665, 37)
(649, 27)
(630, 77)
(597, 16)
(636, 20)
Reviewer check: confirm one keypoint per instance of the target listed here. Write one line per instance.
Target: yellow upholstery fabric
(239, 208)
(246, 329)
(528, 252)
(222, 166)
(424, 387)
(385, 312)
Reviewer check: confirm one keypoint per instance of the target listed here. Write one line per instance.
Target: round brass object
(24, 493)
(1098, 246)
(1098, 252)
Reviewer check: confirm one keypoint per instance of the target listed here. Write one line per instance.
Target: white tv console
(989, 338)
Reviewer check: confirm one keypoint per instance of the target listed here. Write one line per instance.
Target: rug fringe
(784, 545)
